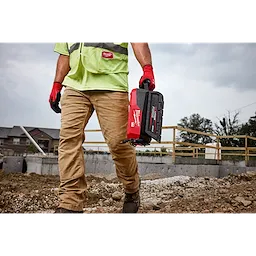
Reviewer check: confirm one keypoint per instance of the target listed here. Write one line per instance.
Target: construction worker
(95, 77)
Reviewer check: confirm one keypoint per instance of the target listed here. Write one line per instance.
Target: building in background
(14, 140)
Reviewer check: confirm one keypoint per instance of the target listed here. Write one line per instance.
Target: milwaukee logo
(136, 116)
(107, 55)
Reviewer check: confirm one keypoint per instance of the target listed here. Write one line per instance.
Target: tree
(249, 128)
(198, 123)
(229, 125)
(32, 149)
(163, 151)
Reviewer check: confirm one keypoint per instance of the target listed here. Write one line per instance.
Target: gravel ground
(32, 193)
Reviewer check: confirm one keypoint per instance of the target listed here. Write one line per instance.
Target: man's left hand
(148, 74)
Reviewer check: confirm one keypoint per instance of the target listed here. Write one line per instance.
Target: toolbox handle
(145, 84)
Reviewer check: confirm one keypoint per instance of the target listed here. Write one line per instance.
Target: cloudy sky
(208, 79)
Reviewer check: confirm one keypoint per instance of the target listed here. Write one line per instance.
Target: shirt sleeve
(61, 48)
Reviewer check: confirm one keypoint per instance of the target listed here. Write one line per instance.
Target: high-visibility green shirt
(95, 68)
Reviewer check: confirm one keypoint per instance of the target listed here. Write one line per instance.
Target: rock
(243, 201)
(117, 195)
(205, 211)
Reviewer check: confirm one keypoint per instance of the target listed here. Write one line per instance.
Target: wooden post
(173, 144)
(218, 148)
(194, 152)
(246, 151)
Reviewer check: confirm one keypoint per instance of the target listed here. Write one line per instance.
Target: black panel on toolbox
(154, 115)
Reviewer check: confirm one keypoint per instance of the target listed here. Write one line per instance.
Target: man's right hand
(55, 97)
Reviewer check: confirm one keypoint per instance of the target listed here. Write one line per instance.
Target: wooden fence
(175, 147)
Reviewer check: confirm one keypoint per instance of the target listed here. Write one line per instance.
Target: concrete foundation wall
(104, 165)
(226, 170)
(13, 164)
(42, 165)
(50, 166)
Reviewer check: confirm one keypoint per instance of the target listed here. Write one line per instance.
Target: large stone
(117, 195)
(245, 202)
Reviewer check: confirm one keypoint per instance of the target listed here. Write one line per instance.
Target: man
(95, 77)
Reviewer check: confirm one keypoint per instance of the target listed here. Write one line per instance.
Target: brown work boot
(131, 202)
(65, 212)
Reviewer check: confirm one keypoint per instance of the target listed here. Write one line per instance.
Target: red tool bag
(145, 116)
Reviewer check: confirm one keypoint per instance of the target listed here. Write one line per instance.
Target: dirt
(32, 193)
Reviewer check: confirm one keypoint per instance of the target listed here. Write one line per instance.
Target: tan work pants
(112, 112)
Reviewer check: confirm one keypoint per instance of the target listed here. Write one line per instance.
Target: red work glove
(55, 97)
(148, 74)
